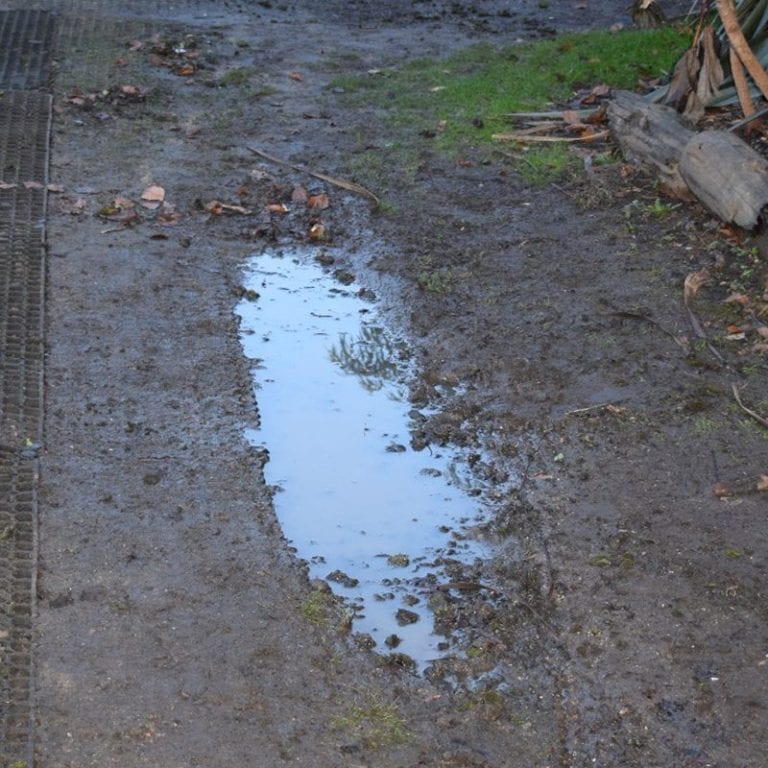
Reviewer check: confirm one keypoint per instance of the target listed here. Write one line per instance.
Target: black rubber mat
(26, 44)
(24, 137)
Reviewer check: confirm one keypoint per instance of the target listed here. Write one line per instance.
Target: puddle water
(369, 514)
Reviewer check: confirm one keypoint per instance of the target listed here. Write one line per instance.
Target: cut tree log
(717, 167)
(650, 134)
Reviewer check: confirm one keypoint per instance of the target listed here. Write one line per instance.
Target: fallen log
(650, 134)
(716, 167)
(727, 175)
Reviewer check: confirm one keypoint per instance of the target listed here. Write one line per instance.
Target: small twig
(639, 316)
(577, 411)
(556, 114)
(756, 416)
(524, 138)
(350, 186)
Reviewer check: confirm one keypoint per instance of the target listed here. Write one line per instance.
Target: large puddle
(372, 516)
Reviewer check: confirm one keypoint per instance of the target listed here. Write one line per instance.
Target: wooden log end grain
(727, 175)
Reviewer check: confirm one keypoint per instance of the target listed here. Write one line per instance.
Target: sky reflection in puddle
(355, 498)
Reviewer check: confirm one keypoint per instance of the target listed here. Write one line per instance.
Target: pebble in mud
(342, 578)
(405, 617)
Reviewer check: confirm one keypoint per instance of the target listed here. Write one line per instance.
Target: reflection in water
(372, 357)
(371, 516)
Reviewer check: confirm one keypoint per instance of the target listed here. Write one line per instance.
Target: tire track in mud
(25, 116)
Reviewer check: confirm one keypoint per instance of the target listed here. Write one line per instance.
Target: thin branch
(350, 186)
(748, 411)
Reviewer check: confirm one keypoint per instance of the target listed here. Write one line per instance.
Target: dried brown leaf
(762, 483)
(318, 202)
(153, 194)
(693, 282)
(317, 232)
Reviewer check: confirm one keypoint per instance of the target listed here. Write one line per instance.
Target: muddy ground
(625, 623)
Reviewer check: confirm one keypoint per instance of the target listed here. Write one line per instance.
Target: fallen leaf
(318, 202)
(243, 191)
(123, 202)
(32, 185)
(185, 70)
(192, 131)
(721, 489)
(168, 215)
(317, 232)
(131, 90)
(437, 89)
(279, 208)
(441, 126)
(121, 62)
(737, 298)
(55, 188)
(299, 195)
(124, 218)
(152, 197)
(295, 76)
(135, 45)
(571, 117)
(762, 483)
(7, 185)
(763, 331)
(73, 207)
(693, 283)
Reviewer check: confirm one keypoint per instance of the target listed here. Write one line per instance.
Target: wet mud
(618, 615)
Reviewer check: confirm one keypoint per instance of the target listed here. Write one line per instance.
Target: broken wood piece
(717, 167)
(727, 175)
(650, 134)
(350, 186)
(524, 137)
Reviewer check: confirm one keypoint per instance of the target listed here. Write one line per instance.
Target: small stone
(365, 641)
(342, 578)
(405, 617)
(399, 561)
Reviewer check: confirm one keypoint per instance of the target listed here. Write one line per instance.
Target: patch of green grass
(237, 77)
(704, 425)
(375, 722)
(463, 100)
(317, 607)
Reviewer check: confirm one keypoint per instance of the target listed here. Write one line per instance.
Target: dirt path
(627, 622)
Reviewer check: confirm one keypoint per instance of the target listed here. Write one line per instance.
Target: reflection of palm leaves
(372, 357)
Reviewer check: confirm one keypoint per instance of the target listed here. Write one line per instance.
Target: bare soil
(626, 623)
